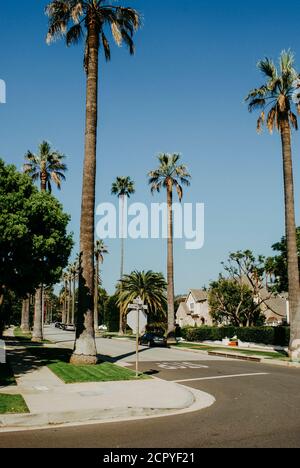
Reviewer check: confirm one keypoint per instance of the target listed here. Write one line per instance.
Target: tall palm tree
(275, 102)
(122, 187)
(25, 322)
(170, 174)
(65, 297)
(47, 166)
(150, 286)
(75, 19)
(100, 251)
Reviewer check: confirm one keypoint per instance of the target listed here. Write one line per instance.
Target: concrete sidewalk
(52, 402)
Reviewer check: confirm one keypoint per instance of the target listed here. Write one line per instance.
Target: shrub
(274, 336)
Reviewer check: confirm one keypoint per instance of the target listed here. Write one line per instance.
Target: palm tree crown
(123, 187)
(46, 166)
(100, 250)
(275, 98)
(69, 18)
(150, 286)
(169, 174)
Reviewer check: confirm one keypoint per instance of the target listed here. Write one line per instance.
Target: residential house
(195, 310)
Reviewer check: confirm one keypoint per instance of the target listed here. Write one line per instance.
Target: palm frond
(268, 68)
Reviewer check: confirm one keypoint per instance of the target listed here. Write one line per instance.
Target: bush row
(275, 336)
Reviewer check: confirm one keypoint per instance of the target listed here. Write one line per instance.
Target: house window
(192, 306)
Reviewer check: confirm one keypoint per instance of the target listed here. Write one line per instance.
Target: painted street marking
(180, 365)
(41, 388)
(221, 377)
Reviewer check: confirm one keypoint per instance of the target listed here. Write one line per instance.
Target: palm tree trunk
(43, 182)
(69, 303)
(292, 252)
(96, 312)
(121, 321)
(170, 265)
(85, 351)
(37, 335)
(25, 327)
(73, 299)
(64, 316)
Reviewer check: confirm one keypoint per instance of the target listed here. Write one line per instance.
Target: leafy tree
(47, 166)
(276, 97)
(123, 188)
(277, 266)
(34, 244)
(89, 19)
(111, 313)
(232, 302)
(168, 175)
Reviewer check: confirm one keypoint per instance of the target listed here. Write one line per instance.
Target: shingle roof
(199, 295)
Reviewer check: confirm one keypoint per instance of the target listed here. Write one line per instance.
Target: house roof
(276, 305)
(199, 295)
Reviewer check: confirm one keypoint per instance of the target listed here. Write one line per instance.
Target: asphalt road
(256, 406)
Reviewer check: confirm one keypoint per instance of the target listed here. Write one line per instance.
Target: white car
(103, 328)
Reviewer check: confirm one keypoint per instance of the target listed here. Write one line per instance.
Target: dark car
(152, 340)
(58, 325)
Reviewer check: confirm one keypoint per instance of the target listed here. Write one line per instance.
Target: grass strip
(282, 355)
(57, 360)
(12, 404)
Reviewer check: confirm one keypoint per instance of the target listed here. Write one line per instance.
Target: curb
(196, 401)
(241, 357)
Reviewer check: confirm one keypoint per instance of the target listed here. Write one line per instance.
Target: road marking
(180, 365)
(221, 377)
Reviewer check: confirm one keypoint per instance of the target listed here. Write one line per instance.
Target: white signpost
(137, 321)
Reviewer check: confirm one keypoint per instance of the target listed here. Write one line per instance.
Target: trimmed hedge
(274, 336)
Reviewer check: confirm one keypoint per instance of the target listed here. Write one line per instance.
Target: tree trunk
(170, 264)
(121, 319)
(69, 302)
(292, 252)
(73, 299)
(43, 182)
(85, 351)
(37, 335)
(25, 326)
(64, 315)
(96, 312)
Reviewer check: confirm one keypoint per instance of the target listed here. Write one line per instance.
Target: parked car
(58, 325)
(152, 340)
(68, 327)
(103, 328)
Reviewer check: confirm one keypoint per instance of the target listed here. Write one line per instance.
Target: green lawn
(6, 376)
(12, 404)
(26, 337)
(57, 360)
(21, 335)
(103, 372)
(282, 355)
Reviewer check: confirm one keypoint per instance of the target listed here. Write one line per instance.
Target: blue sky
(182, 92)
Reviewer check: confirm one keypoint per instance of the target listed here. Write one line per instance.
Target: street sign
(133, 319)
(137, 321)
(137, 307)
